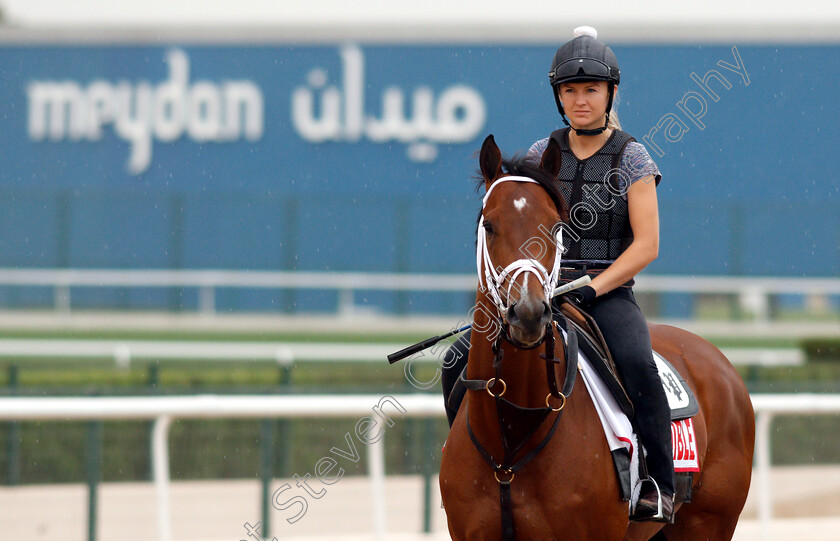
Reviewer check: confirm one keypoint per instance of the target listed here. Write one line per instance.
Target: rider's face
(585, 103)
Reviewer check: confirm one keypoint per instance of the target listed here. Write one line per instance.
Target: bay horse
(555, 475)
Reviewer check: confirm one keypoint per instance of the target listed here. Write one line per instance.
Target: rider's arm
(644, 220)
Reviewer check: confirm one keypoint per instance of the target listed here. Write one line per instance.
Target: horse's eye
(488, 227)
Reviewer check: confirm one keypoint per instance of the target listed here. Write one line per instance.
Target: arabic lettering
(338, 114)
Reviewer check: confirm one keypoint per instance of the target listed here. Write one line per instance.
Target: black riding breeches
(626, 333)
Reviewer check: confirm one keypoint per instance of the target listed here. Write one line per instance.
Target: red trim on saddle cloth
(627, 441)
(685, 446)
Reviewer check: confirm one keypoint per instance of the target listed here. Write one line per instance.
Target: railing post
(62, 298)
(267, 433)
(755, 301)
(286, 359)
(153, 383)
(426, 458)
(376, 467)
(345, 301)
(160, 469)
(207, 300)
(94, 474)
(764, 419)
(14, 433)
(122, 356)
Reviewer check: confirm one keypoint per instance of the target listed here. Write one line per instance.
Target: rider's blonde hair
(614, 123)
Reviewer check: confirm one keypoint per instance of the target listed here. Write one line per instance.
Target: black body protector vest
(599, 225)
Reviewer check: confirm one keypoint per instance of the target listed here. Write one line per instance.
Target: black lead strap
(509, 471)
(508, 533)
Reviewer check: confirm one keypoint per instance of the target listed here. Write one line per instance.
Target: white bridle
(492, 281)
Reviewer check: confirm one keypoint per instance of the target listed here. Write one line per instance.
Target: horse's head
(519, 244)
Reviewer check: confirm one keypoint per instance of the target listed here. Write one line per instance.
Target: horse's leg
(701, 525)
(469, 491)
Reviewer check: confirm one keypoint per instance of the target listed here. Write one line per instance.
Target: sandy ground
(806, 504)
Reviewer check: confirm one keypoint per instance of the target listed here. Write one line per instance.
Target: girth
(510, 415)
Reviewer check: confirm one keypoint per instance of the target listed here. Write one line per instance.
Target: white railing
(766, 407)
(753, 292)
(207, 281)
(164, 409)
(123, 352)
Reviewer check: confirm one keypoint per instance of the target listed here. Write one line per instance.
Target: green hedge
(53, 452)
(822, 349)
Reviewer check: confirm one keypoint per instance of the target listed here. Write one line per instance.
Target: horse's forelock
(522, 166)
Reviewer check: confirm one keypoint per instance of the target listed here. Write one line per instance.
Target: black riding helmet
(584, 59)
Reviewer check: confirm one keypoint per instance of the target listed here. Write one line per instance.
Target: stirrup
(660, 514)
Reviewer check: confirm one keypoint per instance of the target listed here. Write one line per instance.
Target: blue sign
(356, 157)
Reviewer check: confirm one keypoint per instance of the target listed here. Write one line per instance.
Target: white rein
(492, 281)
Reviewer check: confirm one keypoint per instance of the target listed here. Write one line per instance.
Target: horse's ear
(551, 157)
(490, 160)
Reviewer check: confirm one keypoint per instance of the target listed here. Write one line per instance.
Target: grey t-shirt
(635, 163)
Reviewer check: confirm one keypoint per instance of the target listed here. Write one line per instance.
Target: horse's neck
(485, 328)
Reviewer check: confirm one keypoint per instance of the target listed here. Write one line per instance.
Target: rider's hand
(582, 296)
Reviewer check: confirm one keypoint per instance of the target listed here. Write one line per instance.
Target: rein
(510, 415)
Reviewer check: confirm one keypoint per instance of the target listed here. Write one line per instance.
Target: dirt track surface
(806, 503)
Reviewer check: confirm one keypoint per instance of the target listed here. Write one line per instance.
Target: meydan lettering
(457, 116)
(204, 111)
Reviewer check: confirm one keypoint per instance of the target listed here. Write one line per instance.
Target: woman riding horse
(609, 181)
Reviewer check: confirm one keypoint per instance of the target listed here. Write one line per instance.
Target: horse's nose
(529, 314)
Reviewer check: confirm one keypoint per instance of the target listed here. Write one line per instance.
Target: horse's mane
(523, 166)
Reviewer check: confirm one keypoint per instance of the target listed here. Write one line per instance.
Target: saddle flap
(595, 353)
(587, 322)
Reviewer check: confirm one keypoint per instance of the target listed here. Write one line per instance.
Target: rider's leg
(454, 361)
(625, 330)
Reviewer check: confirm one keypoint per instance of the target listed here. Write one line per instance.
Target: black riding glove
(582, 296)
